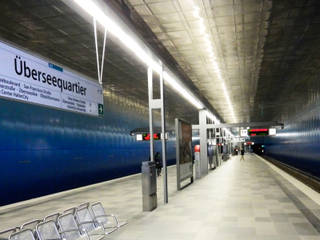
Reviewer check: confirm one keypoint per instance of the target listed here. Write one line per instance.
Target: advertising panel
(184, 151)
(29, 79)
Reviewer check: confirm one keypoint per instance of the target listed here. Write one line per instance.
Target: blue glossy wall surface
(44, 150)
(298, 144)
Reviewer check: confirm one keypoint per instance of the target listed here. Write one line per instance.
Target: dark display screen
(258, 132)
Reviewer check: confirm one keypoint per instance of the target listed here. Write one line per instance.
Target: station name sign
(30, 79)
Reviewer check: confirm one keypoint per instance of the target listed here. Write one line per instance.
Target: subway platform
(248, 199)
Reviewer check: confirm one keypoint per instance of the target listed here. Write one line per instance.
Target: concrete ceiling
(236, 30)
(289, 75)
(267, 51)
(57, 32)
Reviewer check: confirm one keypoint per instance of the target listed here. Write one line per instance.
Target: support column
(150, 94)
(203, 142)
(158, 104)
(163, 139)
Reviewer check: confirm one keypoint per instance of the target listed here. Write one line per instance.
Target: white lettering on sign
(30, 79)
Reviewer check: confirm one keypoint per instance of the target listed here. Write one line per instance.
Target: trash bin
(149, 186)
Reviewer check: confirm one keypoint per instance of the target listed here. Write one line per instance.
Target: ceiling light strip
(92, 9)
(212, 57)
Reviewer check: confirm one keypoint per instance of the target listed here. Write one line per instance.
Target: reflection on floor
(239, 200)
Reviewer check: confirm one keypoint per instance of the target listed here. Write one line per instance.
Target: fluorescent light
(92, 9)
(211, 54)
(196, 14)
(202, 29)
(174, 84)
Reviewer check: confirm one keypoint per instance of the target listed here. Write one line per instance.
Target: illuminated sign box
(258, 132)
(272, 131)
(262, 132)
(146, 136)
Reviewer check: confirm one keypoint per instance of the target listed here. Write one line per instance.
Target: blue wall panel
(44, 150)
(298, 144)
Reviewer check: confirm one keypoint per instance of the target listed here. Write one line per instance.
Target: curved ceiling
(266, 51)
(236, 30)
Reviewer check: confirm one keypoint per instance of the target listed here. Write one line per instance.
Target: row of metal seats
(86, 221)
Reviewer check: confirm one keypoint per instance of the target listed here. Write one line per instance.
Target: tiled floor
(122, 197)
(239, 200)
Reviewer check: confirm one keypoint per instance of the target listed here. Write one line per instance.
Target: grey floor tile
(305, 229)
(239, 200)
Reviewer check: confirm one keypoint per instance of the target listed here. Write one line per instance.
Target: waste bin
(149, 186)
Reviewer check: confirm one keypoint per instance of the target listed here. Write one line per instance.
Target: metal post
(103, 53)
(163, 139)
(203, 142)
(97, 48)
(150, 94)
(99, 69)
(158, 104)
(177, 128)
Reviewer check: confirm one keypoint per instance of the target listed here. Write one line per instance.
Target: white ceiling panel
(162, 7)
(236, 30)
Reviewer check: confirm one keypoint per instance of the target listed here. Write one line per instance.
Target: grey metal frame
(52, 215)
(156, 104)
(35, 222)
(9, 231)
(70, 210)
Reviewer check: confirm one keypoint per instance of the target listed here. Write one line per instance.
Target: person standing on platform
(157, 159)
(242, 154)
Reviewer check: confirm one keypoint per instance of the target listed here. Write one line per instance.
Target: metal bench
(25, 234)
(30, 225)
(52, 216)
(48, 231)
(4, 235)
(102, 218)
(87, 223)
(68, 227)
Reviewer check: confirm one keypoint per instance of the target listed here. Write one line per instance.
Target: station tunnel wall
(298, 144)
(44, 150)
